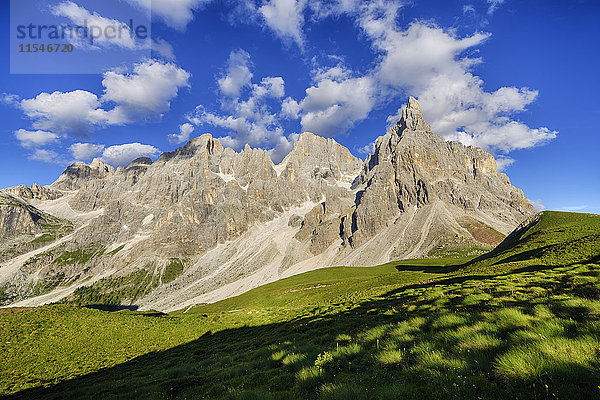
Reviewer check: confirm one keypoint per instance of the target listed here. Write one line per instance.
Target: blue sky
(516, 78)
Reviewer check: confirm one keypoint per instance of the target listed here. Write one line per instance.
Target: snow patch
(280, 167)
(148, 219)
(226, 177)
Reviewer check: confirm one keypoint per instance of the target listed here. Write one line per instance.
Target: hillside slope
(420, 329)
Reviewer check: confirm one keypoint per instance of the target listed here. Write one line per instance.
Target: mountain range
(203, 223)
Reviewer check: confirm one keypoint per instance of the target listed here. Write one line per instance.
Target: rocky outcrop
(412, 167)
(35, 192)
(17, 218)
(78, 174)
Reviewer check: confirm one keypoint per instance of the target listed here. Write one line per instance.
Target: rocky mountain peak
(36, 192)
(315, 155)
(140, 161)
(79, 173)
(412, 167)
(412, 118)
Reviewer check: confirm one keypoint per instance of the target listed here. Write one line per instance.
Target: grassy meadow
(521, 322)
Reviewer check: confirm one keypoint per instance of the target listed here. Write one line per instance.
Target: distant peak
(307, 136)
(98, 164)
(140, 161)
(412, 118)
(413, 104)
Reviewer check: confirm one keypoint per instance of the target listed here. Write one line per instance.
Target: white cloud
(494, 4)
(282, 147)
(46, 156)
(572, 208)
(538, 205)
(106, 32)
(10, 99)
(163, 48)
(175, 13)
(238, 74)
(248, 117)
(85, 151)
(290, 108)
(103, 31)
(269, 87)
(429, 63)
(124, 154)
(333, 106)
(323, 9)
(367, 149)
(76, 112)
(285, 18)
(32, 139)
(504, 162)
(146, 93)
(183, 136)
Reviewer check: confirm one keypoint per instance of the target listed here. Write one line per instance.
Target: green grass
(78, 256)
(116, 290)
(420, 329)
(555, 238)
(172, 270)
(51, 229)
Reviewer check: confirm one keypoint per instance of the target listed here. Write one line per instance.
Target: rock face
(35, 192)
(236, 220)
(17, 218)
(80, 173)
(412, 167)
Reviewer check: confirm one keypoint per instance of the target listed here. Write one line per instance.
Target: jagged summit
(412, 119)
(79, 173)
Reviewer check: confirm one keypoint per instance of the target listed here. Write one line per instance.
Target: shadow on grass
(428, 269)
(112, 307)
(410, 343)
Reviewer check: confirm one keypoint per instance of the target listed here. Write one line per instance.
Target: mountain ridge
(235, 220)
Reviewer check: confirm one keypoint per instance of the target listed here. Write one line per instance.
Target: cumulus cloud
(104, 31)
(76, 112)
(333, 106)
(123, 155)
(290, 108)
(423, 60)
(238, 74)
(538, 205)
(147, 91)
(248, 117)
(175, 13)
(85, 151)
(183, 136)
(144, 94)
(504, 162)
(46, 156)
(429, 62)
(33, 139)
(285, 18)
